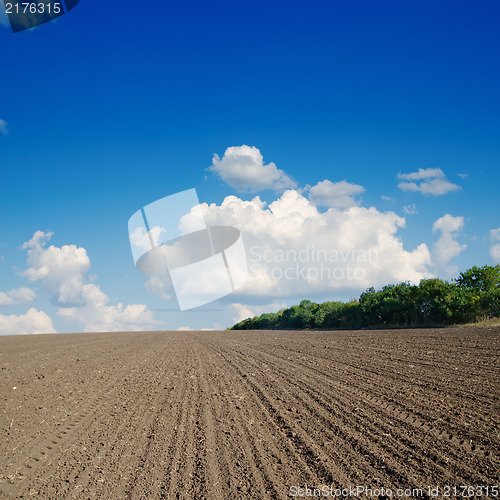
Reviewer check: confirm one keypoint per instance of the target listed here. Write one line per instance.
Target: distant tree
(475, 294)
(267, 321)
(489, 303)
(301, 316)
(480, 279)
(430, 304)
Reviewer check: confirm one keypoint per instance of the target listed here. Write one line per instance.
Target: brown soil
(248, 414)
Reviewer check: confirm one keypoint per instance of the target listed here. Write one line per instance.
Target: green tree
(475, 294)
(480, 279)
(430, 307)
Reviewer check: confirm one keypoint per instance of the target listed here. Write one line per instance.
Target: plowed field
(220, 415)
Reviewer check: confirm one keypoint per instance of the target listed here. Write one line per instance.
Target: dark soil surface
(255, 414)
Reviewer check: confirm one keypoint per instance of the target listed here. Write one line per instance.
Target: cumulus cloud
(243, 168)
(144, 239)
(97, 316)
(495, 248)
(435, 187)
(446, 247)
(294, 250)
(22, 295)
(63, 272)
(3, 124)
(448, 224)
(34, 321)
(335, 194)
(427, 181)
(423, 173)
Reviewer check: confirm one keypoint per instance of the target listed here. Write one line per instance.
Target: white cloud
(34, 321)
(423, 173)
(446, 247)
(60, 270)
(410, 209)
(22, 295)
(294, 250)
(495, 248)
(435, 187)
(448, 224)
(63, 272)
(243, 168)
(3, 124)
(184, 329)
(142, 239)
(386, 198)
(432, 181)
(335, 194)
(97, 316)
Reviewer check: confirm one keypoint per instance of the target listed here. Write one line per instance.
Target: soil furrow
(223, 415)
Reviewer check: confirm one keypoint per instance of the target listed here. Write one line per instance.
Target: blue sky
(109, 108)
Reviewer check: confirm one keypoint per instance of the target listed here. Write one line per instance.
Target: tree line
(473, 296)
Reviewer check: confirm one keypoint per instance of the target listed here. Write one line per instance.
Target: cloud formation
(495, 248)
(143, 239)
(97, 316)
(427, 181)
(243, 168)
(446, 247)
(63, 272)
(423, 173)
(34, 321)
(335, 194)
(22, 295)
(294, 250)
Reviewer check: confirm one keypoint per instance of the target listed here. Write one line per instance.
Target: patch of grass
(485, 323)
